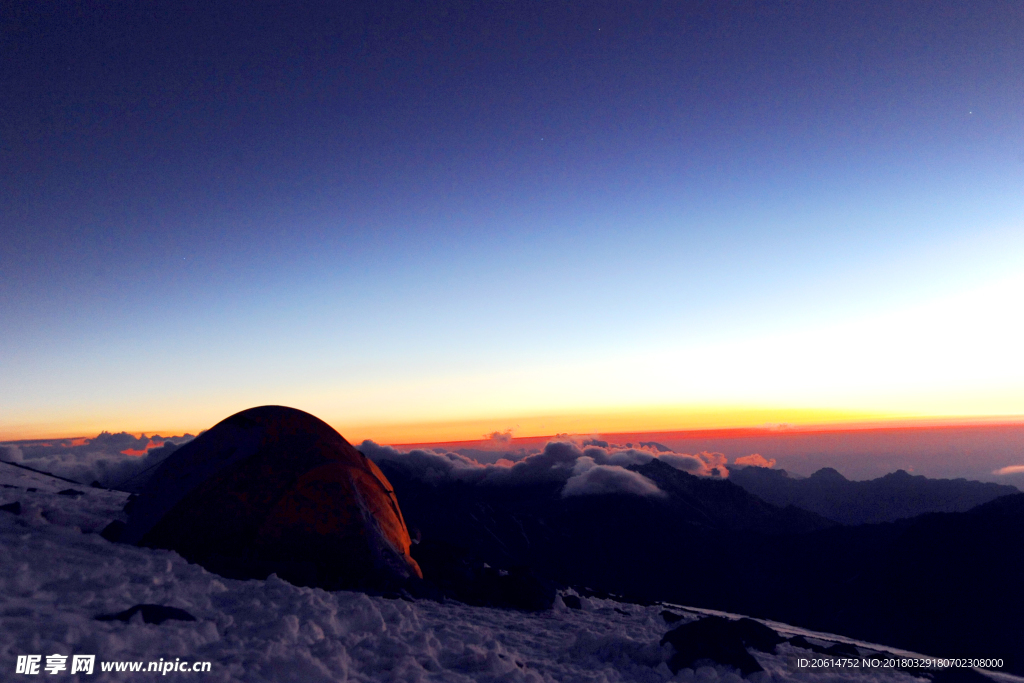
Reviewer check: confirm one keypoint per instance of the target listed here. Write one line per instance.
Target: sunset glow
(735, 230)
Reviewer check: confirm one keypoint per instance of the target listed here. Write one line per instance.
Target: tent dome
(274, 489)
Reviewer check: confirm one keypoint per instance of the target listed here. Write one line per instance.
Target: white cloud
(589, 478)
(588, 467)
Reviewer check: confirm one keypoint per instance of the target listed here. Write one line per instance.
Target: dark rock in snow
(835, 649)
(96, 485)
(572, 601)
(276, 490)
(801, 641)
(113, 531)
(14, 508)
(756, 635)
(151, 614)
(714, 639)
(73, 493)
(670, 617)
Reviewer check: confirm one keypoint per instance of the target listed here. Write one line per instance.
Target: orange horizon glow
(894, 425)
(717, 425)
(145, 449)
(540, 428)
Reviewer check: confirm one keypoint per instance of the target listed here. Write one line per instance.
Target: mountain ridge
(897, 495)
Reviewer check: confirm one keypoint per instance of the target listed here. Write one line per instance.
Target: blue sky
(399, 213)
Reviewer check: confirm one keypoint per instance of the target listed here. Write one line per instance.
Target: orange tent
(276, 490)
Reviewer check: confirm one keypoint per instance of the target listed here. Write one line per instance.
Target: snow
(57, 574)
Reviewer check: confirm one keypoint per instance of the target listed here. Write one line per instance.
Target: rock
(113, 531)
(756, 635)
(801, 641)
(836, 649)
(14, 508)
(151, 614)
(130, 503)
(711, 639)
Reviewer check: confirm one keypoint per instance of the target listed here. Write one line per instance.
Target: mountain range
(899, 495)
(944, 583)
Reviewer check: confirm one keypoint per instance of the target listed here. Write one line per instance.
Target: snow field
(57, 574)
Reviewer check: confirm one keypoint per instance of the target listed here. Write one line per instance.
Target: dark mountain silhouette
(898, 495)
(943, 584)
(952, 582)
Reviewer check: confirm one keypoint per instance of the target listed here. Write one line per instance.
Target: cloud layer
(585, 468)
(114, 460)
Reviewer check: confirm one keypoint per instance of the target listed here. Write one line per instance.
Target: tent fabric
(277, 490)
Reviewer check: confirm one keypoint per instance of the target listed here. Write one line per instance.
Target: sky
(429, 220)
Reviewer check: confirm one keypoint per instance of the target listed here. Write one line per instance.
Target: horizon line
(892, 424)
(763, 429)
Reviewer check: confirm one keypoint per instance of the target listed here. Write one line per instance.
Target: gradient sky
(442, 219)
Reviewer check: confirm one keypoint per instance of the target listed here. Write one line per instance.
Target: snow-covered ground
(57, 574)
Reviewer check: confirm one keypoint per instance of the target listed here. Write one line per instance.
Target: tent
(277, 490)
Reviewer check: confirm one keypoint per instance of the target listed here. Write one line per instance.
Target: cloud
(686, 463)
(755, 460)
(703, 464)
(590, 466)
(612, 455)
(1011, 469)
(500, 438)
(589, 478)
(114, 460)
(429, 466)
